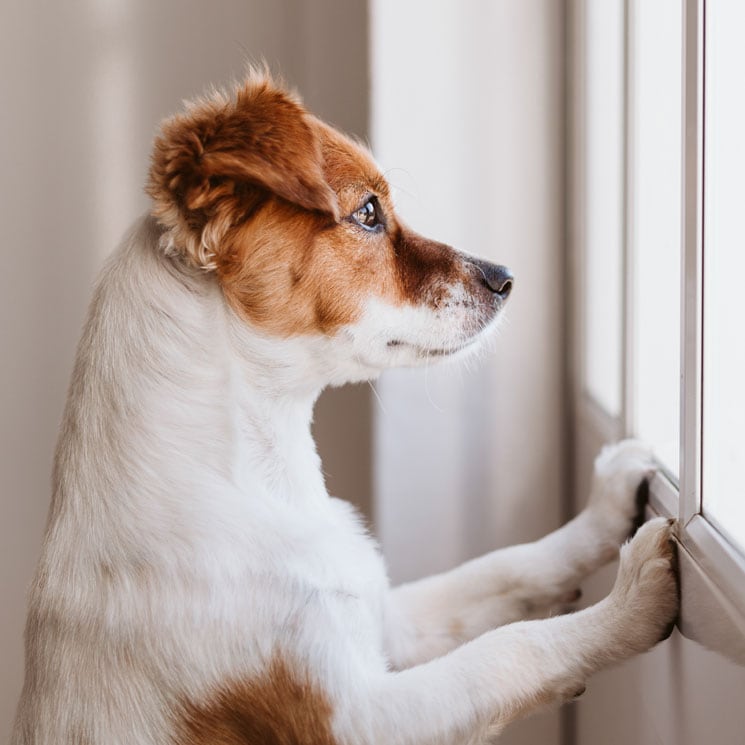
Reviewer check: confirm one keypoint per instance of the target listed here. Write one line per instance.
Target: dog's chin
(413, 354)
(425, 354)
(387, 338)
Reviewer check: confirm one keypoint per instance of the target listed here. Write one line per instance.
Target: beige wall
(83, 85)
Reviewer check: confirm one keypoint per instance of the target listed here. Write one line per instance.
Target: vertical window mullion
(692, 261)
(627, 312)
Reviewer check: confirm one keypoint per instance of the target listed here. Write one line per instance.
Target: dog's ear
(213, 164)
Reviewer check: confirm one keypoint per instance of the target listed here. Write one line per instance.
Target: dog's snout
(499, 279)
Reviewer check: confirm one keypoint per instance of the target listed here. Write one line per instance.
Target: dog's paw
(645, 598)
(622, 472)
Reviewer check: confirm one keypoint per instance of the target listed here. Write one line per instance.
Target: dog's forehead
(349, 167)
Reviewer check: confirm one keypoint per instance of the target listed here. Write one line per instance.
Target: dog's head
(297, 223)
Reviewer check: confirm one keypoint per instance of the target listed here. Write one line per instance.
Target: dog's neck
(272, 387)
(169, 381)
(273, 448)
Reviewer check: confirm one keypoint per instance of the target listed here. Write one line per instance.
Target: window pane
(724, 269)
(604, 202)
(656, 215)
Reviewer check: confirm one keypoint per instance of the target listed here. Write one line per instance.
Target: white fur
(424, 333)
(191, 538)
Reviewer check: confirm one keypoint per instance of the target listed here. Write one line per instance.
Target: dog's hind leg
(432, 616)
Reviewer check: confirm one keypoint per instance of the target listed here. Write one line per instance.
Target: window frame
(707, 545)
(709, 561)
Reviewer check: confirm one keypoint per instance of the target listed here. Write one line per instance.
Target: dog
(197, 584)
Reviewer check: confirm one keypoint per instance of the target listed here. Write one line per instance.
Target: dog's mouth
(429, 351)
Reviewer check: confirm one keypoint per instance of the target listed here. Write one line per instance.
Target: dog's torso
(209, 575)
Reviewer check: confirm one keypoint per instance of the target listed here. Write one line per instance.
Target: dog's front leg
(432, 616)
(512, 670)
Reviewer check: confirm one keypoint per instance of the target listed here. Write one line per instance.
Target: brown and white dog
(197, 584)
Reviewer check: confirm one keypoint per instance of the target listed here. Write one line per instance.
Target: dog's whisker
(378, 397)
(431, 400)
(397, 187)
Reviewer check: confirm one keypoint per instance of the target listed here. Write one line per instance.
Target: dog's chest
(284, 557)
(315, 583)
(333, 552)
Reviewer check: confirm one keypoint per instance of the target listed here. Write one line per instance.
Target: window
(680, 365)
(604, 203)
(654, 129)
(724, 270)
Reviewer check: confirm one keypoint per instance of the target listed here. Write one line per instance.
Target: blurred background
(471, 108)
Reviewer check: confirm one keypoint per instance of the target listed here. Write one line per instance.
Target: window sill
(712, 570)
(712, 578)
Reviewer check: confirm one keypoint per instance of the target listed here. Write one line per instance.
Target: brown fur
(426, 268)
(261, 191)
(216, 162)
(281, 707)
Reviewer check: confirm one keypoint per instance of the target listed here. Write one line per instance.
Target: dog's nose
(497, 278)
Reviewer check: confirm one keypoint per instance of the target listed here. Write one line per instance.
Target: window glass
(655, 193)
(724, 269)
(604, 202)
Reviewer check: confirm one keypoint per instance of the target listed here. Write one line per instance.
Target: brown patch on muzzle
(426, 269)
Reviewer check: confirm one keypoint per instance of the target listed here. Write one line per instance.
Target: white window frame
(712, 569)
(722, 562)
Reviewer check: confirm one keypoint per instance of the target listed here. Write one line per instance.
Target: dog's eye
(368, 216)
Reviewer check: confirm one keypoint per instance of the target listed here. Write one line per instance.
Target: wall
(467, 122)
(83, 85)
